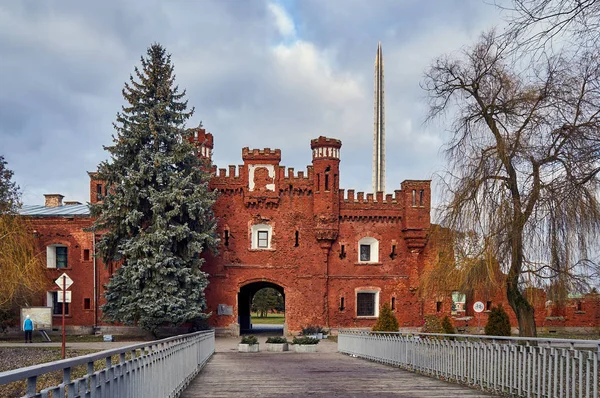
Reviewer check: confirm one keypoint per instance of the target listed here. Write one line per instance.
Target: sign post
(63, 282)
(478, 307)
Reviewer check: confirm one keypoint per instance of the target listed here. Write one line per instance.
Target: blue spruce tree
(157, 215)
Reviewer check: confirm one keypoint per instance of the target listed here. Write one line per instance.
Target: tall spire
(379, 126)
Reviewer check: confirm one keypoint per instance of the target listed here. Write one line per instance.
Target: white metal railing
(161, 368)
(523, 367)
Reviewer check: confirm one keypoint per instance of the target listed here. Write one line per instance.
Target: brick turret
(326, 172)
(204, 142)
(416, 195)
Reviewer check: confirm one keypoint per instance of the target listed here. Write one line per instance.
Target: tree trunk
(523, 310)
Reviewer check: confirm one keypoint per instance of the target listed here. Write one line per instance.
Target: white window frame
(374, 244)
(50, 302)
(51, 256)
(376, 304)
(254, 239)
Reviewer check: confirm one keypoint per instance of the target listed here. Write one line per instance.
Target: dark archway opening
(249, 298)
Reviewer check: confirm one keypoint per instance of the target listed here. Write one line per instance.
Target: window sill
(60, 269)
(368, 263)
(261, 250)
(366, 317)
(60, 315)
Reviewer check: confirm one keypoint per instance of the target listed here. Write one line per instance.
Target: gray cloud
(64, 63)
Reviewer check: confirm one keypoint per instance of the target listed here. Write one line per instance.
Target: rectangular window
(438, 306)
(263, 239)
(421, 197)
(86, 254)
(393, 303)
(61, 257)
(488, 305)
(87, 303)
(342, 308)
(57, 307)
(297, 239)
(458, 302)
(99, 192)
(365, 304)
(226, 233)
(365, 252)
(414, 197)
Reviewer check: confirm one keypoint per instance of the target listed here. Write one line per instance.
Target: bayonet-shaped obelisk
(379, 126)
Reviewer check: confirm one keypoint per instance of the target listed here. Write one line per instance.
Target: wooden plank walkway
(325, 373)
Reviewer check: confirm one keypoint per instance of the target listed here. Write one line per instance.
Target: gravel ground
(19, 357)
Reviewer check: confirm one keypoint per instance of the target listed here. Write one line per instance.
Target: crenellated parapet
(261, 155)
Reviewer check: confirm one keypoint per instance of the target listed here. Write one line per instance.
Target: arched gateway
(244, 299)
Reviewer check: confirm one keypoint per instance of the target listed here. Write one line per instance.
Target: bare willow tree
(21, 269)
(523, 164)
(539, 23)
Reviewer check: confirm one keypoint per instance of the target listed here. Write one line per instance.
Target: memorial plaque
(225, 309)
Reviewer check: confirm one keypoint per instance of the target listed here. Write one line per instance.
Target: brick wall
(314, 255)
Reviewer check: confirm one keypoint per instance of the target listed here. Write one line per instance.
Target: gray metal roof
(60, 211)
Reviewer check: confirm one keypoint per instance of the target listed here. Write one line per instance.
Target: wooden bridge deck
(325, 373)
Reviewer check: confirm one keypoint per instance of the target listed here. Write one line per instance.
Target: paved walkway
(326, 373)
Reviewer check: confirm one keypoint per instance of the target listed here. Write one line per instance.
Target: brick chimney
(53, 199)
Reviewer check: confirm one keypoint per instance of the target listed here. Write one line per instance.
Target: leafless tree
(523, 163)
(539, 23)
(21, 268)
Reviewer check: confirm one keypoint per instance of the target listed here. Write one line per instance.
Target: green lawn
(271, 319)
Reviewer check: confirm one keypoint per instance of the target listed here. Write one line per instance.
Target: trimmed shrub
(310, 330)
(447, 325)
(249, 340)
(432, 325)
(498, 323)
(387, 321)
(305, 340)
(277, 340)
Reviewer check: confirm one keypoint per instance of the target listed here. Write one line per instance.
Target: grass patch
(569, 336)
(271, 319)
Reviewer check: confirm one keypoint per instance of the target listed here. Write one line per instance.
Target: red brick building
(335, 256)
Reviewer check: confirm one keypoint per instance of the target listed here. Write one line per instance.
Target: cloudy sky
(260, 73)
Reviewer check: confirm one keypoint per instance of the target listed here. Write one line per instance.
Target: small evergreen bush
(432, 325)
(310, 330)
(249, 340)
(447, 325)
(386, 322)
(305, 340)
(277, 340)
(498, 323)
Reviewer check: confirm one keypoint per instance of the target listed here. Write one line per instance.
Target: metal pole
(64, 292)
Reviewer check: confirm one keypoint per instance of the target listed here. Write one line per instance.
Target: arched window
(368, 250)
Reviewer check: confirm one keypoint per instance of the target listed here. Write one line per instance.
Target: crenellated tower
(326, 175)
(204, 142)
(416, 213)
